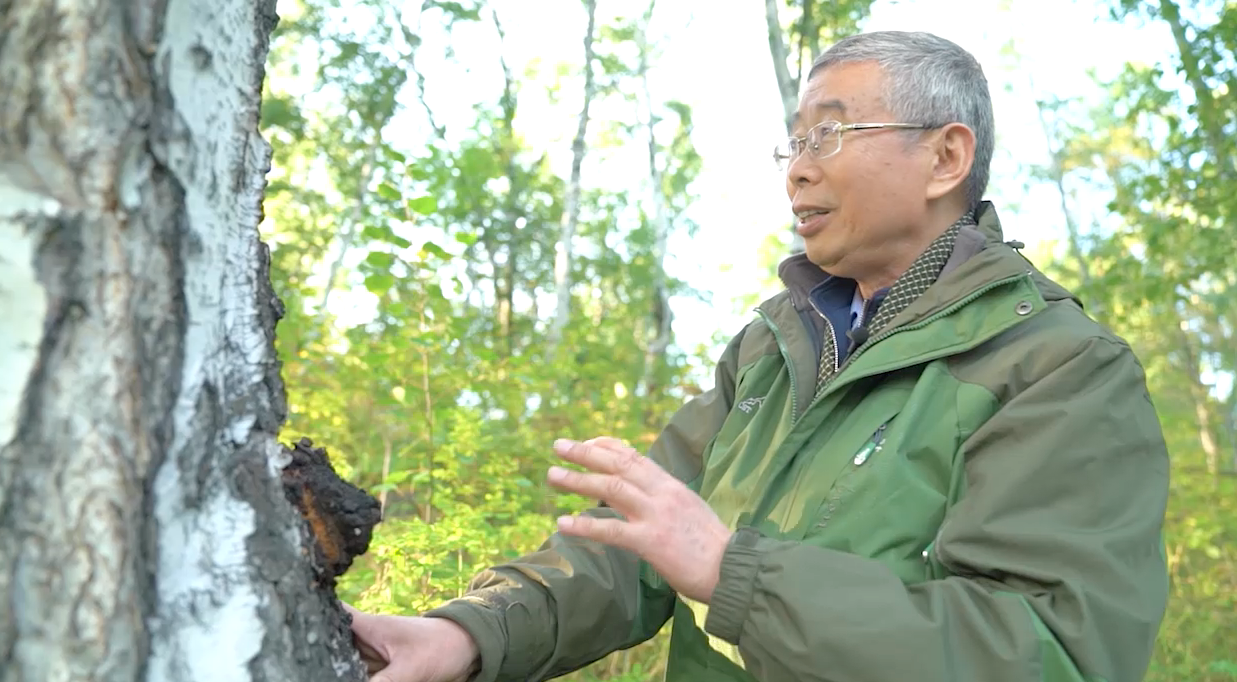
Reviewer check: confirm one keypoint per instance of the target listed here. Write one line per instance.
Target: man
(921, 461)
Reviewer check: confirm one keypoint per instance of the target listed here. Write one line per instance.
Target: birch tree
(660, 315)
(146, 530)
(571, 212)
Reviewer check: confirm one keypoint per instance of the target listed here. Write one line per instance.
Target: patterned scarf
(910, 286)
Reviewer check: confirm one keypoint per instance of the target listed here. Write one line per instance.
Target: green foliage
(1162, 273)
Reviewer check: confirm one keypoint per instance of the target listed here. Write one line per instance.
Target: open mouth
(811, 222)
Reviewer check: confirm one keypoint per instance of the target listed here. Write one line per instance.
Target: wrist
(463, 641)
(721, 542)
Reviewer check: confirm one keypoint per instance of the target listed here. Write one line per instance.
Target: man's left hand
(664, 522)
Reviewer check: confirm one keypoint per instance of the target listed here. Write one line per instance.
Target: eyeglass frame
(839, 129)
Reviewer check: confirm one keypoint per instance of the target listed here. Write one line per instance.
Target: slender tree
(571, 213)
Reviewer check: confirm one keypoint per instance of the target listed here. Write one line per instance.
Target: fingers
(612, 532)
(613, 490)
(607, 442)
(608, 456)
(400, 670)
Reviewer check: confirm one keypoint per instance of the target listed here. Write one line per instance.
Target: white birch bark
(787, 85)
(571, 210)
(143, 532)
(660, 313)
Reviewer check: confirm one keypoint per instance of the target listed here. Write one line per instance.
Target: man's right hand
(413, 649)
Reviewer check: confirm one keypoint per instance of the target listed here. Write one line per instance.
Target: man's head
(887, 191)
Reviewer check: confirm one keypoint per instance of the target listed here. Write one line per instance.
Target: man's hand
(411, 649)
(664, 522)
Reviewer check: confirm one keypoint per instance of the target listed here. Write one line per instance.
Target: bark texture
(145, 530)
(571, 210)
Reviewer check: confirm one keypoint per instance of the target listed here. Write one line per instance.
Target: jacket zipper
(781, 347)
(837, 352)
(933, 552)
(950, 309)
(863, 313)
(873, 446)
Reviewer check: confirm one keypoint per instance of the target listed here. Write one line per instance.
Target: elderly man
(921, 461)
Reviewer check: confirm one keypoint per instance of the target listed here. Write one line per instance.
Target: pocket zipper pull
(873, 446)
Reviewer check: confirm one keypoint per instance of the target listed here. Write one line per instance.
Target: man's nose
(802, 171)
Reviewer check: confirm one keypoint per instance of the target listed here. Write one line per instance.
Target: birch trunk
(659, 313)
(145, 532)
(1201, 395)
(571, 212)
(787, 86)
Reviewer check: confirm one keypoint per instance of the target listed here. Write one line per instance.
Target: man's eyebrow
(832, 104)
(835, 104)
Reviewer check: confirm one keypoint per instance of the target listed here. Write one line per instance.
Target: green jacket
(976, 496)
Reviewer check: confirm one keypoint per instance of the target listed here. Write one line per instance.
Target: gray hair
(930, 81)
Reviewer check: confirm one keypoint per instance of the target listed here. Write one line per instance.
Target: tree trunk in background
(659, 335)
(505, 273)
(1209, 119)
(1056, 173)
(787, 83)
(145, 530)
(787, 86)
(1202, 401)
(571, 212)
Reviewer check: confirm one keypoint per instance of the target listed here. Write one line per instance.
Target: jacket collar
(800, 275)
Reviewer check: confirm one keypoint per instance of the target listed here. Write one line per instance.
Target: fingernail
(563, 444)
(565, 522)
(556, 473)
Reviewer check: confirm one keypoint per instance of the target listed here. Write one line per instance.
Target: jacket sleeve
(574, 601)
(1054, 557)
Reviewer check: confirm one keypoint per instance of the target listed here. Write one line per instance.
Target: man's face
(873, 190)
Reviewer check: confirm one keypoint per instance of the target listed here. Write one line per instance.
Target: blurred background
(496, 223)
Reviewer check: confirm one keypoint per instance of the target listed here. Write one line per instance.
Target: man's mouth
(804, 215)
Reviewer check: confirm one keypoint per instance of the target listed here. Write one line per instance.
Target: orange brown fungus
(326, 536)
(339, 517)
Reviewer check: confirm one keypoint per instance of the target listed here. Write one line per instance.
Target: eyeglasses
(825, 139)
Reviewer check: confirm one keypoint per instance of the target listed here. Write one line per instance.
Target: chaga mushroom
(340, 517)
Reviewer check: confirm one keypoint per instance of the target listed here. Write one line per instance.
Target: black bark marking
(202, 58)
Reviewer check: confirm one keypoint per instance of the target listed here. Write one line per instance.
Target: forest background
(494, 226)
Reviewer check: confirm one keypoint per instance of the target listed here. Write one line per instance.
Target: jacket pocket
(871, 448)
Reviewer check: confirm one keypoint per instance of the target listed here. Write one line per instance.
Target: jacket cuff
(736, 582)
(485, 625)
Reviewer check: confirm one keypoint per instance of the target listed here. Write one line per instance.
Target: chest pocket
(895, 484)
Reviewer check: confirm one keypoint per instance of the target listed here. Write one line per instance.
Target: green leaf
(397, 477)
(436, 250)
(380, 259)
(379, 282)
(425, 205)
(384, 233)
(386, 191)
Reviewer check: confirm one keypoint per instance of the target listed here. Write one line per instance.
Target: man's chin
(823, 258)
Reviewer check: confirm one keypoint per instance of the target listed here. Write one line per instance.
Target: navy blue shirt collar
(832, 299)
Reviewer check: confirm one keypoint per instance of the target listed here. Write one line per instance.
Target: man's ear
(953, 154)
